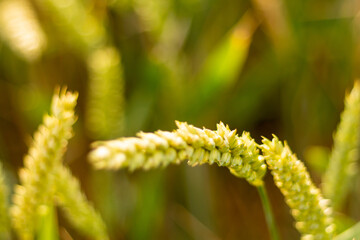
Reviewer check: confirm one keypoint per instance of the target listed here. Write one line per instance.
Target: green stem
(47, 223)
(268, 213)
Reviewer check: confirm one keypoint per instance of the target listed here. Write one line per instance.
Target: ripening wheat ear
(45, 153)
(150, 150)
(310, 210)
(342, 164)
(39, 177)
(4, 217)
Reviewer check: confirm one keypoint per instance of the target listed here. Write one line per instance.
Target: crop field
(179, 119)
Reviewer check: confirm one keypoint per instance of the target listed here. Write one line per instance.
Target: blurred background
(264, 66)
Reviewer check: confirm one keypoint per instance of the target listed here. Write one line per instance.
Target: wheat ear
(46, 152)
(198, 146)
(105, 105)
(44, 176)
(310, 210)
(342, 164)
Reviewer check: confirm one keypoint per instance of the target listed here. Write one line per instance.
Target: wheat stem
(47, 229)
(269, 216)
(4, 218)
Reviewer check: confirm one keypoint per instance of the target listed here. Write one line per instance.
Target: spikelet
(4, 218)
(310, 210)
(342, 164)
(44, 155)
(78, 210)
(197, 146)
(20, 29)
(105, 95)
(80, 28)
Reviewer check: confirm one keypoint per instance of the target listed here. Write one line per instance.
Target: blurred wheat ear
(104, 119)
(40, 178)
(20, 29)
(342, 164)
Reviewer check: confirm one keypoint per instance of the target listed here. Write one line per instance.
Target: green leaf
(224, 63)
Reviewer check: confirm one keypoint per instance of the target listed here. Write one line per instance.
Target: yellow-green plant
(44, 155)
(310, 210)
(39, 179)
(342, 165)
(240, 154)
(4, 217)
(224, 147)
(20, 29)
(46, 183)
(150, 150)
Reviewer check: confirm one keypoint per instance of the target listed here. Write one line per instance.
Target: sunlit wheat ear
(198, 146)
(77, 209)
(4, 217)
(20, 29)
(310, 210)
(342, 165)
(105, 101)
(81, 30)
(45, 153)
